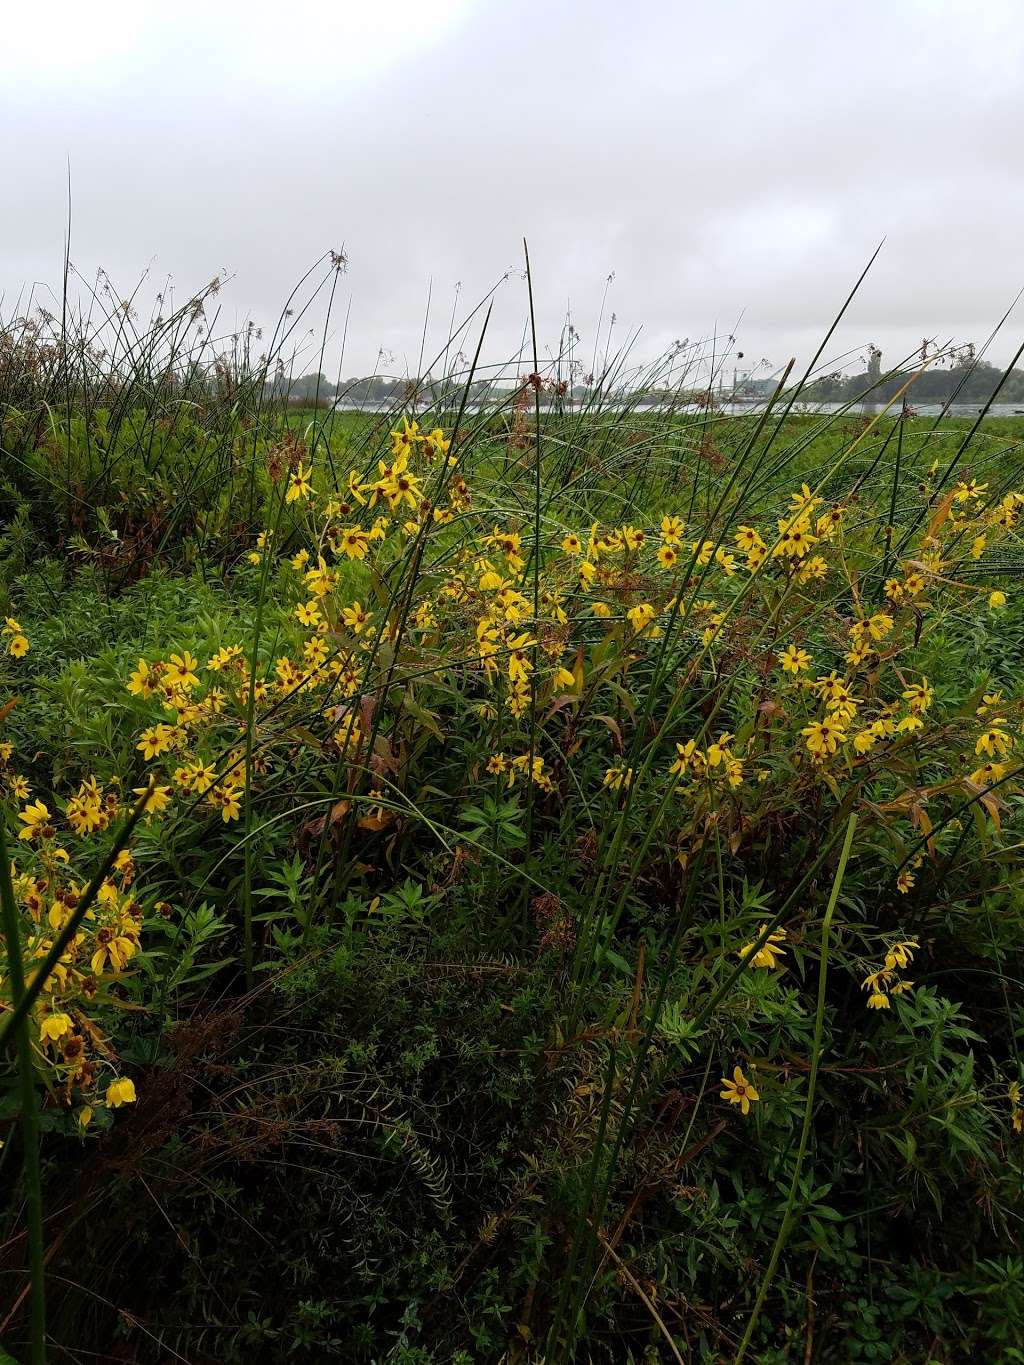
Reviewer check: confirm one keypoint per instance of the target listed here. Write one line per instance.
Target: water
(741, 409)
(872, 409)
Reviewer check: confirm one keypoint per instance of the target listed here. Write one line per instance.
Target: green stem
(536, 570)
(789, 1217)
(29, 1115)
(40, 974)
(250, 724)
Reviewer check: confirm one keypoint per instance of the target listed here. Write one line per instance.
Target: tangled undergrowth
(534, 886)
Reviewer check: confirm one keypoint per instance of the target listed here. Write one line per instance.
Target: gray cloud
(723, 160)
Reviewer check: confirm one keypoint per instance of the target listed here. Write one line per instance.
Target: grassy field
(509, 886)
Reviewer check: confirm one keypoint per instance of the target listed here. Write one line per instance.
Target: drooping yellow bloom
(804, 500)
(769, 954)
(404, 441)
(994, 742)
(54, 1027)
(640, 616)
(228, 799)
(688, 756)
(989, 700)
(157, 801)
(113, 950)
(121, 1092)
(320, 580)
(618, 776)
(519, 665)
(1013, 1094)
(988, 774)
(813, 569)
(966, 491)
(35, 818)
(224, 657)
(143, 682)
(829, 523)
(719, 751)
(901, 954)
(534, 772)
(831, 689)
(87, 811)
(435, 442)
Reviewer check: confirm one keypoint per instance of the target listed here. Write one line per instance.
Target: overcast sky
(724, 160)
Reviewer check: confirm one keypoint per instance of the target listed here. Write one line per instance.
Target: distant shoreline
(998, 411)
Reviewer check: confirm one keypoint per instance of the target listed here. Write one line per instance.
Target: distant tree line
(962, 377)
(376, 389)
(967, 380)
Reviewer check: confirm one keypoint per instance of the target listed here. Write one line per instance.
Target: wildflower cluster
(14, 638)
(838, 698)
(886, 981)
(79, 998)
(189, 752)
(788, 678)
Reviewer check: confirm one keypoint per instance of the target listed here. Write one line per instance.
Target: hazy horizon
(699, 200)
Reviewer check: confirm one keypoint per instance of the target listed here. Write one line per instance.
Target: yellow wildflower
(35, 818)
(739, 1090)
(121, 1092)
(54, 1027)
(794, 659)
(618, 776)
(299, 485)
(770, 952)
